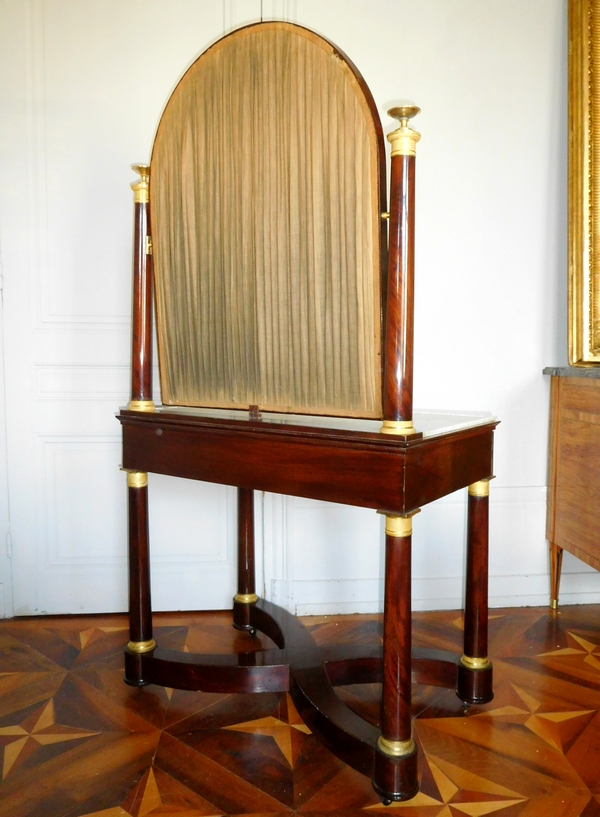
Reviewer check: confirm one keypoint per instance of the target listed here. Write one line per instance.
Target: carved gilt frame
(584, 182)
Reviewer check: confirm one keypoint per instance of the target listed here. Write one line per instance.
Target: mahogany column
(140, 608)
(399, 320)
(395, 775)
(246, 594)
(141, 345)
(475, 668)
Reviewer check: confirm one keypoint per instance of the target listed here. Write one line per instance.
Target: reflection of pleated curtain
(265, 221)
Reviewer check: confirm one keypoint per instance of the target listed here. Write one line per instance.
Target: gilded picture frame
(584, 182)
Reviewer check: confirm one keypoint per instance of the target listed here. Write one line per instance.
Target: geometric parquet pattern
(75, 741)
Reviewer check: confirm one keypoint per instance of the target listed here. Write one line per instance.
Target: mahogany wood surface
(339, 728)
(355, 468)
(245, 560)
(246, 580)
(344, 664)
(399, 324)
(476, 595)
(573, 513)
(140, 608)
(444, 464)
(475, 685)
(429, 667)
(240, 673)
(141, 345)
(395, 778)
(395, 711)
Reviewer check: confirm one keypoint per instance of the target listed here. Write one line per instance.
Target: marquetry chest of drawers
(573, 515)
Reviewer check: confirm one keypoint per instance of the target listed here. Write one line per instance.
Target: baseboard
(307, 598)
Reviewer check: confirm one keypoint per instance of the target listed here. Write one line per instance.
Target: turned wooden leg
(396, 758)
(556, 554)
(140, 608)
(475, 668)
(246, 594)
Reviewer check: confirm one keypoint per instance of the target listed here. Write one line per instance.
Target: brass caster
(386, 802)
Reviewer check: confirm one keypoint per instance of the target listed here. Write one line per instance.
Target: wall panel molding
(191, 523)
(68, 186)
(82, 382)
(307, 583)
(81, 480)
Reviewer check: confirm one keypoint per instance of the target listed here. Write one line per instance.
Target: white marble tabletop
(430, 423)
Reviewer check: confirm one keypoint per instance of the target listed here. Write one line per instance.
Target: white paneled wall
(82, 85)
(330, 558)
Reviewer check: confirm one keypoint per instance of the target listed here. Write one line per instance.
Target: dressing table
(283, 287)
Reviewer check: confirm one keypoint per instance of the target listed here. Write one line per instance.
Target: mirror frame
(584, 182)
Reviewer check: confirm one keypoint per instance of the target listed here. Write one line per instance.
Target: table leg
(246, 594)
(396, 757)
(475, 668)
(140, 608)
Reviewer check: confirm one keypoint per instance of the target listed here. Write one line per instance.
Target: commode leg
(556, 554)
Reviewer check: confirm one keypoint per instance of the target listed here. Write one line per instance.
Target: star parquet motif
(38, 728)
(285, 734)
(75, 741)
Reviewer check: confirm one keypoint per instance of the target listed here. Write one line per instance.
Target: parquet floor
(77, 742)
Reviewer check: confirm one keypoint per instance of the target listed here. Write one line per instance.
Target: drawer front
(580, 394)
(577, 478)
